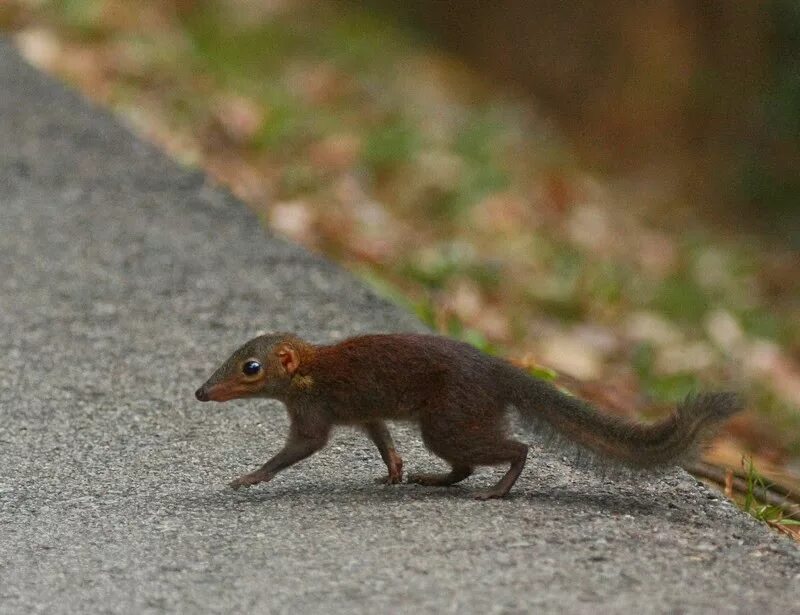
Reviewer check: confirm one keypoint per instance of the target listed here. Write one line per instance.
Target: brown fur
(457, 395)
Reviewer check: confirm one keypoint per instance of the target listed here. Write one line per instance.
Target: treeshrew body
(459, 397)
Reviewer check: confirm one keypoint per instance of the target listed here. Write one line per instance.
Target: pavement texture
(124, 280)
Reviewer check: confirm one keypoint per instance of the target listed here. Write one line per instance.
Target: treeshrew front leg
(302, 442)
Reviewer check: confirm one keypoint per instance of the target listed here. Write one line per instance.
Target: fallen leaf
(293, 219)
(240, 118)
(567, 353)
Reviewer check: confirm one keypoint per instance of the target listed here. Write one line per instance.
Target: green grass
(390, 145)
(778, 417)
(669, 388)
(680, 299)
(298, 179)
(238, 57)
(751, 504)
(81, 17)
(479, 145)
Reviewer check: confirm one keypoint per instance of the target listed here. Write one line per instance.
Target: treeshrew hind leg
(503, 486)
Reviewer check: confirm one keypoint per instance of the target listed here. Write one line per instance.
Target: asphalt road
(124, 279)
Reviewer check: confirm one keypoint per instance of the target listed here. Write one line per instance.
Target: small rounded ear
(289, 358)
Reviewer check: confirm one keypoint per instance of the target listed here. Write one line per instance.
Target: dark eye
(251, 367)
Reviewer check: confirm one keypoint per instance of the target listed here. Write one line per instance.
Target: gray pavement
(124, 279)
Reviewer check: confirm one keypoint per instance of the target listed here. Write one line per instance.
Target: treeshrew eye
(251, 367)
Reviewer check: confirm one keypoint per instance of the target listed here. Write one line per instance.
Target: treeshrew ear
(289, 358)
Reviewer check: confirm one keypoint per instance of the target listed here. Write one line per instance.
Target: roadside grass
(775, 516)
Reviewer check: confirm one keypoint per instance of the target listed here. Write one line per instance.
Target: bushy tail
(671, 441)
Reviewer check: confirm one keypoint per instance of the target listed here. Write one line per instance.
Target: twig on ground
(774, 494)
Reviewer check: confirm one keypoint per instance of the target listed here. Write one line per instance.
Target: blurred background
(699, 99)
(605, 193)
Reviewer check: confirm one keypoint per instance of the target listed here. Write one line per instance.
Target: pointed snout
(220, 391)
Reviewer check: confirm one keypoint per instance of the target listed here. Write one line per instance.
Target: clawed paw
(239, 482)
(390, 479)
(246, 481)
(491, 494)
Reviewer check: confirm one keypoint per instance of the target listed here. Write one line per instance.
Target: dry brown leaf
(335, 153)
(239, 117)
(294, 219)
